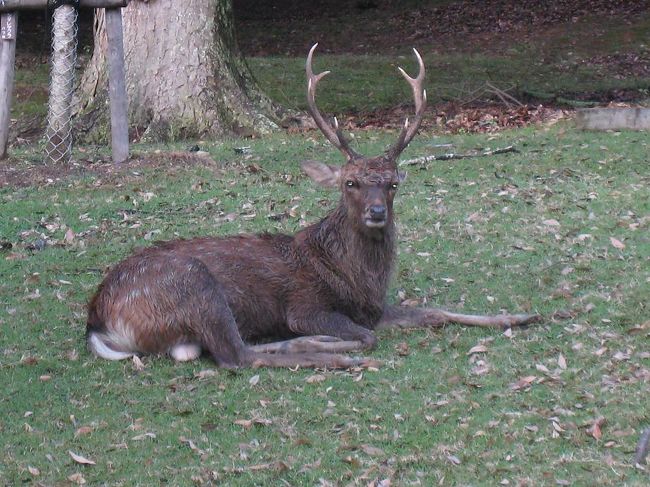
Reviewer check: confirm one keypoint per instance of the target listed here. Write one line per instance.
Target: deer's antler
(420, 95)
(333, 134)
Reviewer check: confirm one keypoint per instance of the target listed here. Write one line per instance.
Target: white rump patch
(184, 352)
(101, 349)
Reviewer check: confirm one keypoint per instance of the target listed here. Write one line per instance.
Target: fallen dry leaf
(594, 430)
(453, 459)
(33, 470)
(144, 436)
(69, 236)
(481, 369)
(72, 355)
(316, 378)
(372, 451)
(77, 478)
(137, 363)
(354, 461)
(310, 466)
(638, 328)
(523, 383)
(246, 423)
(280, 466)
(557, 427)
(254, 380)
(617, 243)
(621, 356)
(81, 459)
(561, 361)
(402, 349)
(84, 430)
(477, 349)
(551, 222)
(205, 373)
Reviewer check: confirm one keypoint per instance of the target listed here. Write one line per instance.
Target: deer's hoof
(367, 363)
(520, 320)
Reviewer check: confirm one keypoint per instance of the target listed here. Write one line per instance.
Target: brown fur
(328, 279)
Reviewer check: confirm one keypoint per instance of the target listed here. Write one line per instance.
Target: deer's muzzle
(376, 216)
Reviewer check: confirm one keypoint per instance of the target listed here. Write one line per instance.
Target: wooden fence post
(117, 86)
(8, 29)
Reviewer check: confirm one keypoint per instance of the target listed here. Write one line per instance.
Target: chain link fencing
(58, 143)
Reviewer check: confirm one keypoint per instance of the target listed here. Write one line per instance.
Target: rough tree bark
(185, 75)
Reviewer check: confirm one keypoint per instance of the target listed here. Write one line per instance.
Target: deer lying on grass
(322, 289)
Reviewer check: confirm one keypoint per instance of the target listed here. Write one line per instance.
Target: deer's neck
(356, 264)
(343, 237)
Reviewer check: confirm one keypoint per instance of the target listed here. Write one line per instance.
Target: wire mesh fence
(58, 144)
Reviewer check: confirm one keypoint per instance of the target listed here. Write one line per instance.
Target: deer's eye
(394, 186)
(350, 184)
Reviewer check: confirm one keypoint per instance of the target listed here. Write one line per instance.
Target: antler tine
(420, 96)
(334, 135)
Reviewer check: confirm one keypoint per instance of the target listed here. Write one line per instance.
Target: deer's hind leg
(163, 303)
(202, 308)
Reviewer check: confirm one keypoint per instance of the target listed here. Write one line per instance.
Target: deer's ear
(322, 174)
(401, 176)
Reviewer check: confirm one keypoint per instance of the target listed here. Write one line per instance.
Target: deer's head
(368, 184)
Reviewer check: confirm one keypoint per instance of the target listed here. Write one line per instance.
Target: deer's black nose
(378, 212)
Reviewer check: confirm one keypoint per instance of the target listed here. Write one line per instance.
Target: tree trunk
(185, 76)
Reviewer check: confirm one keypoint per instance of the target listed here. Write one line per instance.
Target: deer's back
(254, 272)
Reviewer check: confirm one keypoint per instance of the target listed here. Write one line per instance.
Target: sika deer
(323, 289)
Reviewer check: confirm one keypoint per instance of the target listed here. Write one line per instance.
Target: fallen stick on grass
(449, 156)
(642, 448)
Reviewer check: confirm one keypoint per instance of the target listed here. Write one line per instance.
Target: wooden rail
(15, 5)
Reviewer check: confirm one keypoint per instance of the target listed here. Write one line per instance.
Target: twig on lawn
(449, 156)
(642, 448)
(503, 95)
(487, 92)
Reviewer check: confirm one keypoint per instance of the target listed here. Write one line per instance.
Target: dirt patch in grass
(289, 27)
(19, 173)
(452, 118)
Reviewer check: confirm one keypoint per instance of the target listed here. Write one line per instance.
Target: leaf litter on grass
(428, 405)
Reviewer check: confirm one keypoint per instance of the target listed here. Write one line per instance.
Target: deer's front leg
(333, 324)
(322, 332)
(406, 317)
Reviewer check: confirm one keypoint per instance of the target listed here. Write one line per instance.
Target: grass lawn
(559, 228)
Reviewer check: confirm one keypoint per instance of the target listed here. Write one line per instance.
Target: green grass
(529, 231)
(551, 64)
(30, 91)
(352, 85)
